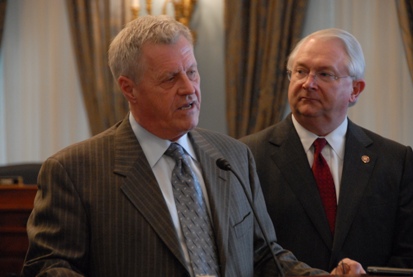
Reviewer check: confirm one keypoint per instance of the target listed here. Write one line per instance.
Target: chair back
(24, 173)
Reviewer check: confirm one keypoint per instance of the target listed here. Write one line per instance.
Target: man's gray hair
(355, 64)
(125, 51)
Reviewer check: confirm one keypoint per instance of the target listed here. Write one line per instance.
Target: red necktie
(325, 182)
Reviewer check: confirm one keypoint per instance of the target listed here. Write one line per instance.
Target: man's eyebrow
(322, 67)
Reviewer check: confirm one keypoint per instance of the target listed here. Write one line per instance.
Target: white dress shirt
(333, 152)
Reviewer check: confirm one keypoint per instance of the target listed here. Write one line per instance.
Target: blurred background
(44, 105)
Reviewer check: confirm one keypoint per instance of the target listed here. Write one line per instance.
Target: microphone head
(223, 164)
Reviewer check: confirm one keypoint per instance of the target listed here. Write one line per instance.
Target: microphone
(225, 165)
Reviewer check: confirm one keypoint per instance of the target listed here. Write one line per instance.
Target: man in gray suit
(106, 206)
(372, 176)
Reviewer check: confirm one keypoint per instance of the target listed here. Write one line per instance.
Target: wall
(385, 106)
(41, 109)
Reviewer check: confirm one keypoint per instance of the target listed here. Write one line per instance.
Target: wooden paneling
(16, 203)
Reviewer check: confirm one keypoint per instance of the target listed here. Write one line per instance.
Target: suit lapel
(217, 185)
(298, 175)
(141, 187)
(358, 161)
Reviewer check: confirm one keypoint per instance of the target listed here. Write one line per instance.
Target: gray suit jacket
(374, 223)
(100, 212)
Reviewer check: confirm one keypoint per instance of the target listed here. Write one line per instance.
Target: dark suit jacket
(374, 223)
(100, 212)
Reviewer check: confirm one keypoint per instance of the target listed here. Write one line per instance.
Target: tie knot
(175, 151)
(319, 144)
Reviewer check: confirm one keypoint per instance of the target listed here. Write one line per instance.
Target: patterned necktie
(325, 182)
(192, 213)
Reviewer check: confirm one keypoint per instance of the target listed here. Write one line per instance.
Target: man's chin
(308, 111)
(184, 129)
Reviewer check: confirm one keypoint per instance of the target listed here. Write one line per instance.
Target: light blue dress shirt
(162, 166)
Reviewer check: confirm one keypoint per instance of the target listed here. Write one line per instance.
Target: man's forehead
(324, 52)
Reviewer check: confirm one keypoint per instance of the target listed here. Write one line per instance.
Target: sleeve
(57, 227)
(402, 254)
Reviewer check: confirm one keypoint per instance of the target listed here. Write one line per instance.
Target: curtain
(385, 106)
(3, 4)
(259, 35)
(41, 105)
(93, 25)
(405, 15)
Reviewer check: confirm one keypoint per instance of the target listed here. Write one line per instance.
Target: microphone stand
(225, 165)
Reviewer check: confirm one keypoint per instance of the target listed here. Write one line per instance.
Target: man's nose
(186, 85)
(310, 80)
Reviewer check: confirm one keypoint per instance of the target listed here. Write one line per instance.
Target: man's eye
(301, 72)
(325, 74)
(170, 79)
(192, 74)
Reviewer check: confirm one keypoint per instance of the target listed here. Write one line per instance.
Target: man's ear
(358, 87)
(127, 86)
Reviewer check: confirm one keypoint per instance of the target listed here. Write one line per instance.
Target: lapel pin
(365, 159)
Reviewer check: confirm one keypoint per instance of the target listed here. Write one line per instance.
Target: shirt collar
(154, 147)
(336, 139)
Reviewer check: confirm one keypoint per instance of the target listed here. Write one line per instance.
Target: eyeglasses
(326, 77)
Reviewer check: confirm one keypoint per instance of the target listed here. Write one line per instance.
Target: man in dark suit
(372, 176)
(106, 206)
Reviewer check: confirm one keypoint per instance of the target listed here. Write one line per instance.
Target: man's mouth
(187, 107)
(307, 98)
